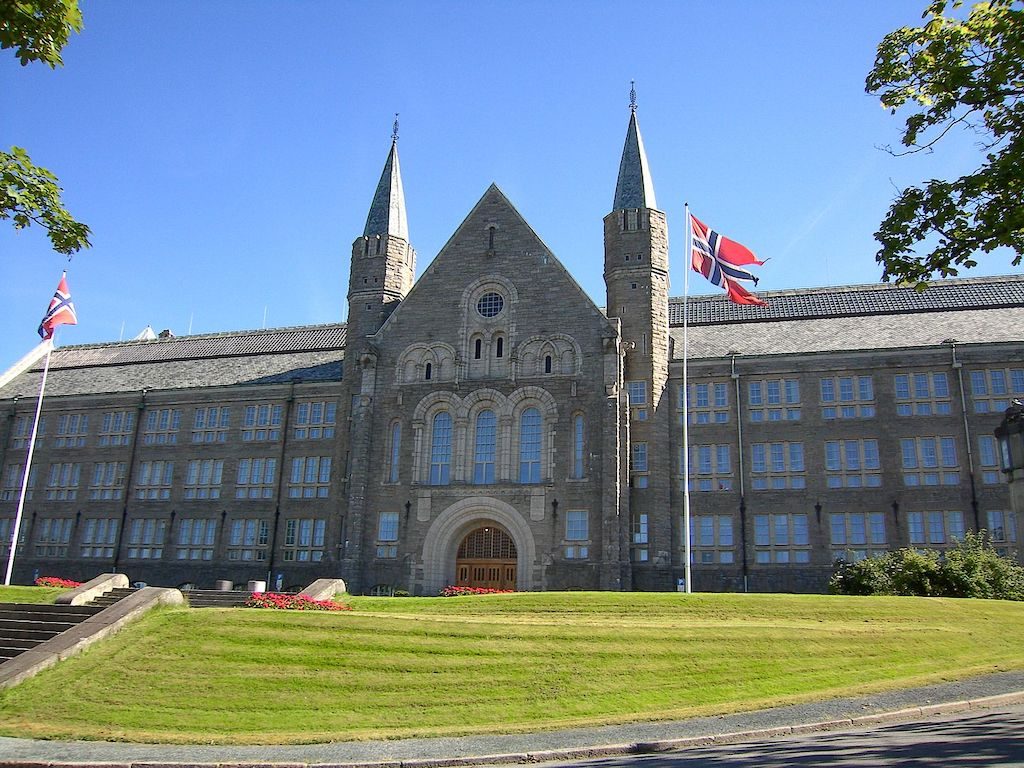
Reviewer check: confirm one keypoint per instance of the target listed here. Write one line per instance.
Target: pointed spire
(387, 212)
(634, 188)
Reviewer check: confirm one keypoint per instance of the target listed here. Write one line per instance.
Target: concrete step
(212, 598)
(30, 630)
(109, 598)
(23, 626)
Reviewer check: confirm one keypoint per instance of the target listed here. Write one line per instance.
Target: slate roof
(275, 355)
(634, 187)
(853, 301)
(387, 211)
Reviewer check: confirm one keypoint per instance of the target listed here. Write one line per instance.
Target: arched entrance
(486, 558)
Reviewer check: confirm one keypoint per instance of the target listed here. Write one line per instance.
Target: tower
(383, 263)
(636, 278)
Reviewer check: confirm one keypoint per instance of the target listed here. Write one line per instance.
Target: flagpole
(28, 467)
(686, 404)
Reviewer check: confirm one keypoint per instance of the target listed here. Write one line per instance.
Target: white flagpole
(686, 405)
(28, 467)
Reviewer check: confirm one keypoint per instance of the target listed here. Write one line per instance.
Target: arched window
(529, 446)
(547, 363)
(499, 347)
(577, 446)
(478, 349)
(486, 448)
(441, 449)
(428, 370)
(396, 445)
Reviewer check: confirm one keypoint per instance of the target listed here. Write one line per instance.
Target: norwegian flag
(723, 262)
(61, 311)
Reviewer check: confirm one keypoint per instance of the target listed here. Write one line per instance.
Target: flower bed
(453, 591)
(283, 602)
(55, 581)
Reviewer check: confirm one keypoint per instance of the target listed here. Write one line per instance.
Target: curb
(575, 753)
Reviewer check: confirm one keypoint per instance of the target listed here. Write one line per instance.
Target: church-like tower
(636, 278)
(383, 263)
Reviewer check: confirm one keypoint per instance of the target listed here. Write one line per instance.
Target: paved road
(989, 738)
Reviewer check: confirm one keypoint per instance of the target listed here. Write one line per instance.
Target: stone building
(489, 424)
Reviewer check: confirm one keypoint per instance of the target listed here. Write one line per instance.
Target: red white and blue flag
(723, 262)
(61, 311)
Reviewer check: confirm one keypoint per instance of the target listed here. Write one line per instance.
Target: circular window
(490, 304)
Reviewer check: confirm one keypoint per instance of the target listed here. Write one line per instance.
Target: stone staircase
(23, 626)
(214, 598)
(111, 597)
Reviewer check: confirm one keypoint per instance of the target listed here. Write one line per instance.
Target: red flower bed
(54, 581)
(453, 591)
(283, 602)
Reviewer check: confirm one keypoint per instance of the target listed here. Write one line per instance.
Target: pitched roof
(853, 301)
(275, 355)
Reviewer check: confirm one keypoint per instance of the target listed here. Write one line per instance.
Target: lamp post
(1010, 434)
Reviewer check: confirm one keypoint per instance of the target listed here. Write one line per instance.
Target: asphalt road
(985, 738)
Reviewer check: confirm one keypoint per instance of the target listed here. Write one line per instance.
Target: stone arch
(414, 358)
(441, 543)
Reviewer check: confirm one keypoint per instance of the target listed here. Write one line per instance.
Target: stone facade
(489, 424)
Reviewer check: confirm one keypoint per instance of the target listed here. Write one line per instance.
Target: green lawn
(29, 594)
(397, 667)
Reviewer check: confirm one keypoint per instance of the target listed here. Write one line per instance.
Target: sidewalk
(913, 704)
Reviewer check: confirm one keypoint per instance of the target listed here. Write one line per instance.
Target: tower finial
(632, 95)
(394, 129)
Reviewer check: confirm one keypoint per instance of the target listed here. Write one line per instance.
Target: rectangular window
(394, 454)
(988, 458)
(13, 477)
(162, 427)
(577, 535)
(847, 397)
(62, 482)
(154, 480)
(774, 400)
(1002, 526)
(711, 539)
(116, 428)
(196, 537)
(52, 536)
(21, 434)
(7, 533)
(640, 552)
(210, 425)
(98, 538)
(708, 403)
(107, 480)
(637, 391)
(247, 540)
(929, 461)
(710, 467)
(993, 388)
(852, 464)
(146, 538)
(387, 535)
(777, 466)
(857, 535)
(315, 420)
(781, 539)
(72, 429)
(922, 394)
(203, 478)
(935, 528)
(310, 477)
(256, 478)
(304, 540)
(261, 422)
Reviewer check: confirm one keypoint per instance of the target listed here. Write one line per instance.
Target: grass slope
(404, 667)
(30, 594)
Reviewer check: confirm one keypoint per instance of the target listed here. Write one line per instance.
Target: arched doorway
(486, 558)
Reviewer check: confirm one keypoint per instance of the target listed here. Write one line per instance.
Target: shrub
(401, 593)
(283, 602)
(56, 581)
(971, 568)
(453, 591)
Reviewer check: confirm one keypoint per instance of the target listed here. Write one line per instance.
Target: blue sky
(225, 153)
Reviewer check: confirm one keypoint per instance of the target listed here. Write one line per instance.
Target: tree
(956, 73)
(38, 30)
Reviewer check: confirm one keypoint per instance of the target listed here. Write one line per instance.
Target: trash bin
(257, 586)
(223, 585)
